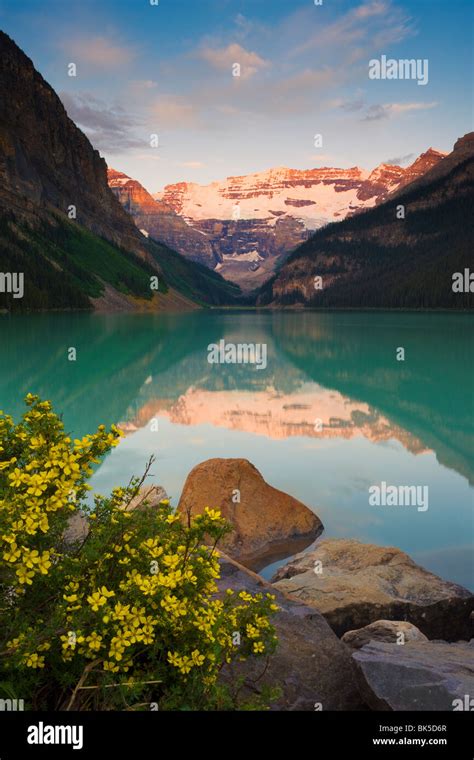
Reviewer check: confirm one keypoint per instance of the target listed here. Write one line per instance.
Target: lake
(332, 413)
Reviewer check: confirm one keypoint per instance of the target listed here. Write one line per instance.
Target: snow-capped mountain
(314, 196)
(243, 226)
(254, 221)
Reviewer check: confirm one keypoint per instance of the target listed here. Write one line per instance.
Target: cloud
(98, 52)
(306, 81)
(287, 96)
(282, 97)
(140, 85)
(223, 59)
(109, 128)
(369, 25)
(192, 164)
(294, 94)
(357, 104)
(399, 160)
(226, 109)
(150, 156)
(389, 110)
(244, 25)
(172, 112)
(318, 157)
(375, 8)
(397, 108)
(376, 112)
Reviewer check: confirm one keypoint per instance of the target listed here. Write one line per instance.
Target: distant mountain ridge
(316, 196)
(382, 259)
(245, 226)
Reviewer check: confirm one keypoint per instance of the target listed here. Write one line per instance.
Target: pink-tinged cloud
(306, 81)
(318, 157)
(98, 52)
(224, 58)
(192, 164)
(172, 112)
(376, 8)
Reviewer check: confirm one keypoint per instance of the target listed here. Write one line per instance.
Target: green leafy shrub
(125, 615)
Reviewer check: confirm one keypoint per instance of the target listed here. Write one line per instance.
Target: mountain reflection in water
(332, 413)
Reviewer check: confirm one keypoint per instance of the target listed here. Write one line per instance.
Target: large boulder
(391, 631)
(353, 584)
(312, 667)
(266, 521)
(431, 675)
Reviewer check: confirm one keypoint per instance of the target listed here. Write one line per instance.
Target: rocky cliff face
(254, 221)
(46, 162)
(160, 221)
(96, 257)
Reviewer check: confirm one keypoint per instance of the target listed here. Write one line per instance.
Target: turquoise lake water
(332, 414)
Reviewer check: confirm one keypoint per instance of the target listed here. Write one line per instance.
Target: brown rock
(265, 518)
(361, 583)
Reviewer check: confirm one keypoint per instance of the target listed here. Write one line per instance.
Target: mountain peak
(113, 173)
(116, 178)
(465, 143)
(431, 153)
(423, 163)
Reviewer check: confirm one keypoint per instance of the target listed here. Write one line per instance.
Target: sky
(167, 70)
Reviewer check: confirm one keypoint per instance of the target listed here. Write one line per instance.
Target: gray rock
(431, 675)
(310, 664)
(148, 496)
(353, 584)
(383, 630)
(78, 525)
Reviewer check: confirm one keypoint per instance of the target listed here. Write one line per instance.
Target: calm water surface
(405, 423)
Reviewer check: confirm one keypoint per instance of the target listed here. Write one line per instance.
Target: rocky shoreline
(360, 626)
